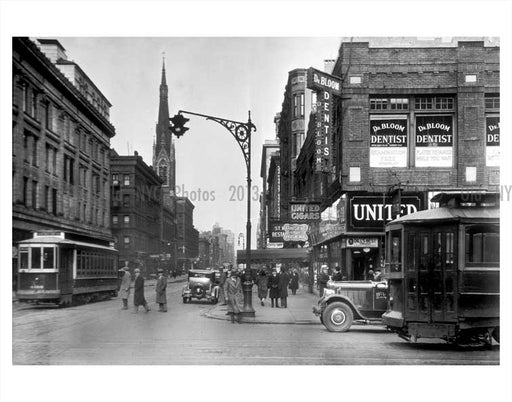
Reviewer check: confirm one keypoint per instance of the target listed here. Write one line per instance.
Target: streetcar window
(482, 244)
(36, 257)
(24, 259)
(48, 257)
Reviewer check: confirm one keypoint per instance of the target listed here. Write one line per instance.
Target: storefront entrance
(363, 260)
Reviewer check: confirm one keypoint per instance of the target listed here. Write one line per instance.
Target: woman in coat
(294, 282)
(273, 285)
(262, 282)
(284, 281)
(138, 292)
(124, 288)
(161, 296)
(234, 295)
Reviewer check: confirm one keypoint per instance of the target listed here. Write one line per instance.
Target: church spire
(163, 111)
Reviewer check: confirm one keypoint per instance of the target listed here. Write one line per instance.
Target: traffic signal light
(178, 125)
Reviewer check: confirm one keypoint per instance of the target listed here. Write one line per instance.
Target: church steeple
(164, 162)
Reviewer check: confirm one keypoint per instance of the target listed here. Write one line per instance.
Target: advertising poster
(388, 142)
(492, 141)
(434, 141)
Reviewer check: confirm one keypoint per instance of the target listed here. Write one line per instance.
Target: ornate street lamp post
(242, 134)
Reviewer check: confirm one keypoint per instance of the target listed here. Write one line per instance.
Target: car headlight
(328, 292)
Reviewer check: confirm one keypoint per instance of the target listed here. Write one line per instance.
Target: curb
(207, 314)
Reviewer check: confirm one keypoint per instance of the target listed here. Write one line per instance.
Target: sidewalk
(299, 310)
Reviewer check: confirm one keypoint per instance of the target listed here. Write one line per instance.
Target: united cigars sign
(326, 86)
(367, 212)
(304, 212)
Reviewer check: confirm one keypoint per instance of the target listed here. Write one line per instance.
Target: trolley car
(443, 267)
(55, 267)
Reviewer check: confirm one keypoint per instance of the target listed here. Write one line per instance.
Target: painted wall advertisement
(434, 141)
(388, 142)
(372, 212)
(492, 133)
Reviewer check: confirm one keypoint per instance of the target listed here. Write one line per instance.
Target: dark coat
(161, 286)
(234, 295)
(284, 280)
(262, 286)
(323, 278)
(138, 293)
(294, 281)
(273, 285)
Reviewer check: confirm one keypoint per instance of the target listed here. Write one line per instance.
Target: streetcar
(62, 268)
(443, 269)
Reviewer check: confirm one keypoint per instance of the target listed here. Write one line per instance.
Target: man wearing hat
(138, 292)
(161, 286)
(124, 288)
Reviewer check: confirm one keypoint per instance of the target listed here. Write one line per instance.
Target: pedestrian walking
(323, 278)
(138, 292)
(273, 286)
(234, 296)
(161, 287)
(262, 282)
(222, 283)
(284, 281)
(294, 282)
(124, 288)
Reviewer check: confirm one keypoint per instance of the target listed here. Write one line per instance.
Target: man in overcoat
(234, 295)
(262, 282)
(284, 280)
(138, 292)
(124, 288)
(294, 282)
(273, 286)
(161, 286)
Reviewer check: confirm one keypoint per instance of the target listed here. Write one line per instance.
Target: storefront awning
(262, 256)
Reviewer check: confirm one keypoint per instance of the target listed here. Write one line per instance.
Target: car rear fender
(340, 298)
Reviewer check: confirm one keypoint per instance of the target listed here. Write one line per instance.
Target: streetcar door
(431, 274)
(66, 270)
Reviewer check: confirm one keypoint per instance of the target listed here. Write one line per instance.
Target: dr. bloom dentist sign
(326, 86)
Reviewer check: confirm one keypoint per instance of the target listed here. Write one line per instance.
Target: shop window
(378, 104)
(492, 101)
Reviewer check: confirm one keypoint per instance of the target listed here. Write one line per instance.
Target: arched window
(162, 172)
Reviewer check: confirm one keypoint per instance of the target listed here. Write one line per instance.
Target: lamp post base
(248, 310)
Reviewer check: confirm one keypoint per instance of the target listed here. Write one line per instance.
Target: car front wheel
(337, 317)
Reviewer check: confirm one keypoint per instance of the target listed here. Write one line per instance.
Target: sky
(219, 76)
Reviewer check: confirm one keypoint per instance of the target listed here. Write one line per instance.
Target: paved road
(103, 334)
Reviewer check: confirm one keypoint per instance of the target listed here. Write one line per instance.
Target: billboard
(492, 141)
(388, 142)
(434, 141)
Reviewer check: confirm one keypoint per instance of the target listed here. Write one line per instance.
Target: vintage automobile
(201, 285)
(345, 302)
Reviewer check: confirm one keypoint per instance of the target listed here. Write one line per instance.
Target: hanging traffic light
(178, 125)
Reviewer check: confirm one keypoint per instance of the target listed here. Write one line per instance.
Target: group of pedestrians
(138, 290)
(276, 286)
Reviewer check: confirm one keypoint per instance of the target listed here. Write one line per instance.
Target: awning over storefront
(262, 256)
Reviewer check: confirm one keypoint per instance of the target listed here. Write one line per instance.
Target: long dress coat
(126, 281)
(294, 281)
(161, 286)
(273, 285)
(234, 294)
(284, 280)
(138, 292)
(262, 286)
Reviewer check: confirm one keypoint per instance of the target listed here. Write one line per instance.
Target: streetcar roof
(449, 214)
(61, 241)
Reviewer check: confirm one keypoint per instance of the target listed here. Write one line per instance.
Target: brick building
(187, 236)
(61, 139)
(269, 147)
(414, 118)
(142, 226)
